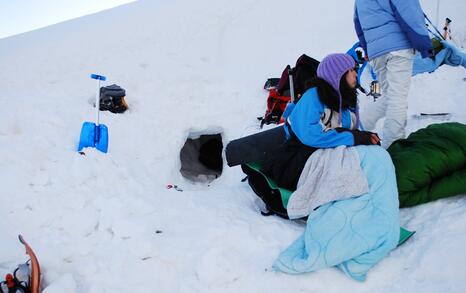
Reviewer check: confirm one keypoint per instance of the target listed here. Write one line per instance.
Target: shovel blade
(94, 136)
(102, 143)
(86, 138)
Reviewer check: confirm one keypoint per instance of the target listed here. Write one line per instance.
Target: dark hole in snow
(201, 158)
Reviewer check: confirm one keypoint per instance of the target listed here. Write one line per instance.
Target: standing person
(389, 31)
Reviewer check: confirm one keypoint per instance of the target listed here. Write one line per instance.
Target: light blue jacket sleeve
(305, 123)
(359, 31)
(411, 19)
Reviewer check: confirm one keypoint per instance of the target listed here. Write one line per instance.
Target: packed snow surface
(107, 223)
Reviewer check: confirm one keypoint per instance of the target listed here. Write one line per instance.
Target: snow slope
(107, 223)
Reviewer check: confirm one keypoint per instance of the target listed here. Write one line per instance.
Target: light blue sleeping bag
(352, 234)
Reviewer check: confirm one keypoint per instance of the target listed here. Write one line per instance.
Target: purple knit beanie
(331, 69)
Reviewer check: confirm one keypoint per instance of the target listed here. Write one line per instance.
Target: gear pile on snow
(112, 98)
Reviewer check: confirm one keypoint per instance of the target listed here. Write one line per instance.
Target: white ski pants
(394, 72)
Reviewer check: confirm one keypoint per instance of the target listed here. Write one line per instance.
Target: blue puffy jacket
(385, 26)
(305, 121)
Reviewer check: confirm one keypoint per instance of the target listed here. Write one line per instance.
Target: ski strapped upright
(26, 277)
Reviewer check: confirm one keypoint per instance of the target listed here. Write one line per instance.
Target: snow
(107, 223)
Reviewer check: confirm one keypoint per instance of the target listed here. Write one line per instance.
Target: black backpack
(304, 71)
(112, 98)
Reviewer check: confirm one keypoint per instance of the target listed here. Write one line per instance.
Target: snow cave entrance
(201, 157)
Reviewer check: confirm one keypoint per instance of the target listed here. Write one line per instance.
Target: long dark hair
(329, 96)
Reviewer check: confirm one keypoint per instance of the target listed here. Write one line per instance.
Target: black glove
(361, 137)
(341, 129)
(365, 138)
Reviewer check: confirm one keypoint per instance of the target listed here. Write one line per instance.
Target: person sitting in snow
(326, 116)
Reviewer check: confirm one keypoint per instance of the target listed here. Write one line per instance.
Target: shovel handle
(97, 96)
(98, 77)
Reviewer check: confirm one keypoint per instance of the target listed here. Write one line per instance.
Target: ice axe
(446, 29)
(95, 135)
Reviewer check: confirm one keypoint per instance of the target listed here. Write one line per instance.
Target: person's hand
(365, 138)
(362, 137)
(375, 139)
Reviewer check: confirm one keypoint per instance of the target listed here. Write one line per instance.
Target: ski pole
(438, 32)
(446, 29)
(433, 34)
(290, 76)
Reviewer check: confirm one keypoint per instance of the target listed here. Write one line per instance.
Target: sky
(19, 16)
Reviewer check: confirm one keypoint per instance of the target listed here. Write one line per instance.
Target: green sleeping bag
(430, 164)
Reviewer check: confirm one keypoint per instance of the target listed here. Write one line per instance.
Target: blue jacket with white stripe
(305, 121)
(385, 26)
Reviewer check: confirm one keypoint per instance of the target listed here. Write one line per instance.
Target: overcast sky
(18, 16)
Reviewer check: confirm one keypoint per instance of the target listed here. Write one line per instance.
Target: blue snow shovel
(95, 135)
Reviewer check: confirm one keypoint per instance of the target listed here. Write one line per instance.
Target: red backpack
(279, 88)
(276, 105)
